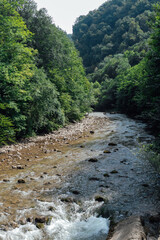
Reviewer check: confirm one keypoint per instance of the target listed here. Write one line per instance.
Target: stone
(106, 151)
(21, 181)
(99, 199)
(40, 219)
(106, 175)
(114, 171)
(129, 229)
(40, 225)
(112, 144)
(93, 160)
(6, 180)
(94, 179)
(14, 167)
(20, 167)
(75, 192)
(91, 132)
(68, 200)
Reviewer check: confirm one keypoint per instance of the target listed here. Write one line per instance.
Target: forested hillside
(42, 80)
(111, 29)
(119, 44)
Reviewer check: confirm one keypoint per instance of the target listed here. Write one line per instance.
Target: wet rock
(51, 208)
(40, 225)
(94, 179)
(20, 167)
(123, 161)
(106, 212)
(6, 180)
(29, 219)
(45, 173)
(112, 144)
(106, 175)
(21, 181)
(91, 132)
(75, 192)
(129, 229)
(68, 200)
(48, 220)
(40, 220)
(114, 171)
(99, 199)
(104, 186)
(54, 166)
(93, 160)
(145, 185)
(106, 151)
(82, 146)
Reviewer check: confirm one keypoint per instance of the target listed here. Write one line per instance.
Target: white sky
(65, 12)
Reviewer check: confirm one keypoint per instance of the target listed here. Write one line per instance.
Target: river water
(75, 192)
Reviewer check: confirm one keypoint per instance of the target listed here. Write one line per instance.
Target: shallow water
(64, 185)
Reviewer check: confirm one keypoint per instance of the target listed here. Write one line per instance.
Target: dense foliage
(113, 28)
(42, 80)
(123, 42)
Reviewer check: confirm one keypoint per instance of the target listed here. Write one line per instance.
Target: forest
(120, 47)
(43, 85)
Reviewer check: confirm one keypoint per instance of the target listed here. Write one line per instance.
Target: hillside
(113, 28)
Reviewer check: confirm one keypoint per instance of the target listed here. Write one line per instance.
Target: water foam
(69, 222)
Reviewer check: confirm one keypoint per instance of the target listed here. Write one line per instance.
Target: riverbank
(29, 150)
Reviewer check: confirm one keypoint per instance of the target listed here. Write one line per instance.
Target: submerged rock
(93, 160)
(114, 171)
(112, 144)
(99, 199)
(106, 151)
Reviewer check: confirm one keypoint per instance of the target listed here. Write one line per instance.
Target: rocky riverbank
(27, 151)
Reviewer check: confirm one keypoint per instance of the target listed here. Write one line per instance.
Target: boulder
(129, 229)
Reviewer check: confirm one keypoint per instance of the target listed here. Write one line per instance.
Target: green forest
(48, 79)
(42, 80)
(120, 47)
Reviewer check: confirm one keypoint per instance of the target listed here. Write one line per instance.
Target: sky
(65, 12)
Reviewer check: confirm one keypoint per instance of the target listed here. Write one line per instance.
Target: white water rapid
(69, 222)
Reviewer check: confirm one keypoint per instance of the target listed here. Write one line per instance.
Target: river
(73, 193)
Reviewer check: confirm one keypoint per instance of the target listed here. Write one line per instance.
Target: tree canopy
(42, 79)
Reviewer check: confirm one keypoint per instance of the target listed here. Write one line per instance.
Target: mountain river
(72, 193)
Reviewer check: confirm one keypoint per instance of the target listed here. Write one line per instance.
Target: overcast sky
(65, 12)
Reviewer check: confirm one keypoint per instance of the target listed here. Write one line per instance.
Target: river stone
(93, 160)
(112, 144)
(106, 151)
(129, 229)
(91, 132)
(21, 181)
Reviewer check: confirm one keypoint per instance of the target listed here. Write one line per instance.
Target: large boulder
(129, 229)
